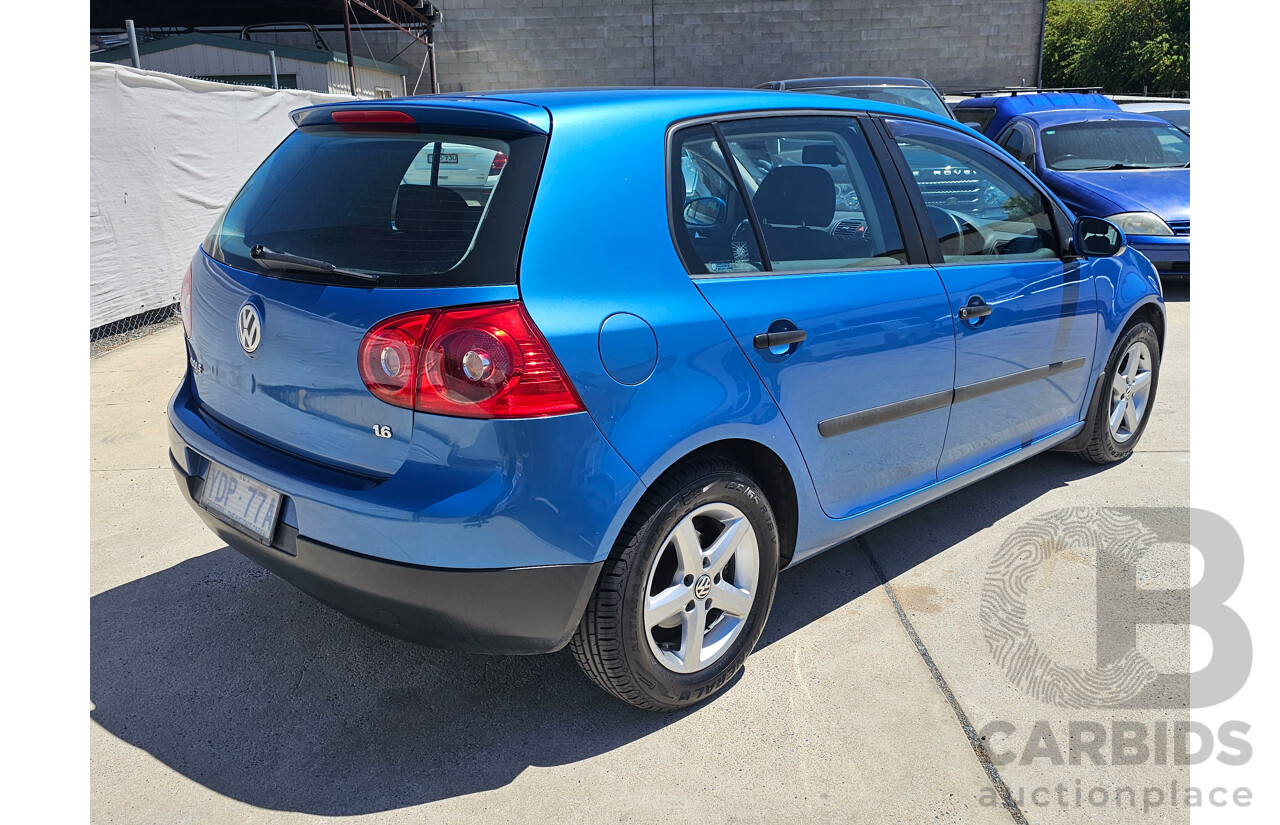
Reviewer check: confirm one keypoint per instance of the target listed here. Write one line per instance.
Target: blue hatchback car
(602, 395)
(1130, 168)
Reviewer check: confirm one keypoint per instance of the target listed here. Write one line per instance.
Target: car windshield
(1115, 144)
(916, 97)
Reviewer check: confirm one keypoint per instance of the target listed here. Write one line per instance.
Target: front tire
(684, 596)
(1127, 394)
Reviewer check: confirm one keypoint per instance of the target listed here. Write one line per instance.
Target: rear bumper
(1170, 255)
(472, 495)
(519, 610)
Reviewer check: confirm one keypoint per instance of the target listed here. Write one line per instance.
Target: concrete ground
(220, 693)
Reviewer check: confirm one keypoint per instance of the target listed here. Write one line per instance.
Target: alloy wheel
(701, 586)
(1130, 391)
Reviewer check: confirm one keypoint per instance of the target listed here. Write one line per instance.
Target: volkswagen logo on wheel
(249, 329)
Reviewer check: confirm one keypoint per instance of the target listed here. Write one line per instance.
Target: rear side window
(818, 198)
(713, 214)
(415, 208)
(977, 117)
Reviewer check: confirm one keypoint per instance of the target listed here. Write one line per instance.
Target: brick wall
(491, 44)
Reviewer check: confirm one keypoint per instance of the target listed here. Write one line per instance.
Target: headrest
(795, 195)
(430, 209)
(820, 154)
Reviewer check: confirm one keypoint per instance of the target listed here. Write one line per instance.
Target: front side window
(1017, 142)
(1115, 144)
(980, 207)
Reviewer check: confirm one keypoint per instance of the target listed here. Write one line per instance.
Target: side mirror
(704, 212)
(1096, 238)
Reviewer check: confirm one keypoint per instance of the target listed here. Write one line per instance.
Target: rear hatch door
(275, 343)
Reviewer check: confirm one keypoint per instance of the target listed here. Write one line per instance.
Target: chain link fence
(117, 333)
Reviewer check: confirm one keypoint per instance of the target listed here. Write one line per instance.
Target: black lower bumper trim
(519, 610)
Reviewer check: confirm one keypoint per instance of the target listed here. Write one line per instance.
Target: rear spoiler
(465, 113)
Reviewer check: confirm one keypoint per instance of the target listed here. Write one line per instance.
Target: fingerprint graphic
(1016, 567)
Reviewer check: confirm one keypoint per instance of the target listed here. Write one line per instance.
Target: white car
(1176, 112)
(462, 167)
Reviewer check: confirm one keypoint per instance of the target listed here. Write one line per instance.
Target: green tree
(1120, 45)
(1067, 29)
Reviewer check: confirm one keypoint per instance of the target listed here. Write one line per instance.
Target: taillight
(184, 302)
(475, 362)
(499, 161)
(371, 116)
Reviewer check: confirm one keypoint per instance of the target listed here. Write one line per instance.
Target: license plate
(248, 504)
(453, 158)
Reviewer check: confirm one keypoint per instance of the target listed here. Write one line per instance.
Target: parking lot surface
(220, 693)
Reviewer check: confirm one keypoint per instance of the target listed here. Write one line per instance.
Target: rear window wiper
(285, 261)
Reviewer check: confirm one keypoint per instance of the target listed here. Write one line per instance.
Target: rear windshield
(415, 208)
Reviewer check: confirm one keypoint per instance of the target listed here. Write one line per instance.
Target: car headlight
(1140, 223)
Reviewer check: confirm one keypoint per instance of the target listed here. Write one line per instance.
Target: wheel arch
(768, 470)
(1152, 313)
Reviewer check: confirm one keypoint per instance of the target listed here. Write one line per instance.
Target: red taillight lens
(499, 161)
(184, 302)
(475, 362)
(389, 356)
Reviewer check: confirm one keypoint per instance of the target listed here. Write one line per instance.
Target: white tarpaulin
(166, 154)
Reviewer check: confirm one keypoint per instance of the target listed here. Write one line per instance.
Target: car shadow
(236, 680)
(841, 574)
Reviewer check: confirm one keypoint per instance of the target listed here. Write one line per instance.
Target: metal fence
(117, 333)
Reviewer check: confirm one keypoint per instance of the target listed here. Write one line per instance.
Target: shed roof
(236, 44)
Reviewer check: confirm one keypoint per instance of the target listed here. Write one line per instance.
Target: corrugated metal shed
(227, 58)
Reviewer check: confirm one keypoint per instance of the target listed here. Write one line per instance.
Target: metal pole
(431, 54)
(133, 44)
(1044, 22)
(275, 77)
(351, 58)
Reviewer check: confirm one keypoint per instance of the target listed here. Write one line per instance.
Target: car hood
(1166, 192)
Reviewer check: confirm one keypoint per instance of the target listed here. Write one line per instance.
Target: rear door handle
(976, 309)
(769, 340)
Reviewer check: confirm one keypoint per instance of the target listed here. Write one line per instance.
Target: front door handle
(785, 338)
(976, 310)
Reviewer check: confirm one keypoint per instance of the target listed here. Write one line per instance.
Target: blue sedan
(1130, 168)
(602, 395)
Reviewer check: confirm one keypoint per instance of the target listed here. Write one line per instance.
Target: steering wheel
(1063, 157)
(956, 234)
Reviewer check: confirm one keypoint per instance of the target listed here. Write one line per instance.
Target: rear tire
(684, 596)
(1128, 392)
